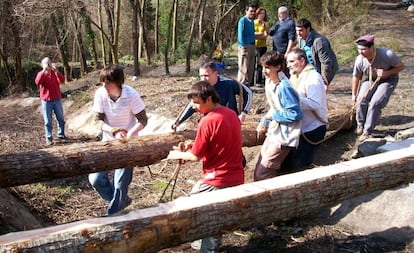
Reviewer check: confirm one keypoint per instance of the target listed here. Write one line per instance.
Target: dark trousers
(303, 156)
(259, 78)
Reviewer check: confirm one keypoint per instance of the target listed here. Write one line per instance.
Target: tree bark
(84, 158)
(201, 215)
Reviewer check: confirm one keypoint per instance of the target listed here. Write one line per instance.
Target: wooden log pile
(189, 218)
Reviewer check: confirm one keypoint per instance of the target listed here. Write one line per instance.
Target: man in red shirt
(49, 80)
(218, 144)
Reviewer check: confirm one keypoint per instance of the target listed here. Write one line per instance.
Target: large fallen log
(84, 158)
(189, 218)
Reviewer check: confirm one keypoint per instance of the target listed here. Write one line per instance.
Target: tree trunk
(201, 215)
(89, 34)
(201, 27)
(77, 31)
(135, 38)
(61, 42)
(168, 42)
(217, 25)
(84, 158)
(156, 28)
(111, 31)
(101, 31)
(191, 37)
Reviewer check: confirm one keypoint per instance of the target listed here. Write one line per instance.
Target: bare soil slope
(63, 201)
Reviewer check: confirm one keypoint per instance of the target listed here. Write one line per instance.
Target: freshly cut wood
(404, 134)
(189, 218)
(84, 158)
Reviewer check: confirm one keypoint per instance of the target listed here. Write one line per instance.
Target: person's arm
(39, 78)
(326, 58)
(355, 86)
(60, 77)
(186, 113)
(180, 155)
(291, 38)
(247, 101)
(289, 100)
(392, 71)
(142, 122)
(100, 124)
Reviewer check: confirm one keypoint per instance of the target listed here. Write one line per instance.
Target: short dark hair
(251, 5)
(300, 53)
(303, 22)
(203, 90)
(273, 58)
(209, 64)
(112, 73)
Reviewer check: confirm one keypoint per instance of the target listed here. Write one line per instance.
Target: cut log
(201, 215)
(84, 158)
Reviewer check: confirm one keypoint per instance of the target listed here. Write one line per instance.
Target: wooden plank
(189, 218)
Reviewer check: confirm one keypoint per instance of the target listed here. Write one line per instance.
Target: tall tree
(191, 37)
(168, 42)
(156, 27)
(59, 30)
(221, 14)
(135, 39)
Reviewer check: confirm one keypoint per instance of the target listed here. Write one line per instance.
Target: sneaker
(196, 244)
(359, 130)
(49, 142)
(62, 137)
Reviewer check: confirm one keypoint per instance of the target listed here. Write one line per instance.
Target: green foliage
(160, 185)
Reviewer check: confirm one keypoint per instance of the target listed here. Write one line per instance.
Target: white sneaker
(196, 244)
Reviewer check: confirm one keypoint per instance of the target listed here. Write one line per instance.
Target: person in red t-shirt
(49, 80)
(218, 144)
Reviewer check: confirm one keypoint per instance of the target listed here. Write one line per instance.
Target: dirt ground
(67, 200)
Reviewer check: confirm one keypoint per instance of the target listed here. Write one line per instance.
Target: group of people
(296, 81)
(252, 39)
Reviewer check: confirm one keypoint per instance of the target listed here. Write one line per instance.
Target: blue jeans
(117, 191)
(48, 107)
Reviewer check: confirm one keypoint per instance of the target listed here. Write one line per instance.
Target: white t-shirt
(120, 113)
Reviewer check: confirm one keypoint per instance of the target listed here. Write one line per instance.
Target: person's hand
(242, 117)
(120, 134)
(175, 155)
(174, 126)
(354, 97)
(380, 73)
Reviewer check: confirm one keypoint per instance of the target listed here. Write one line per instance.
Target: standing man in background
(48, 80)
(284, 32)
(318, 51)
(247, 49)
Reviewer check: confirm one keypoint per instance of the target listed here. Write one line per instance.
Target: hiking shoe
(359, 130)
(196, 244)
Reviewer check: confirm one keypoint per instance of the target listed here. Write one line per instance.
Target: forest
(84, 35)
